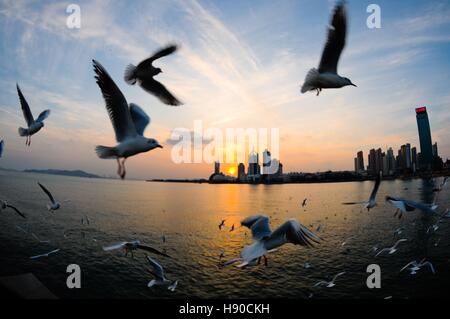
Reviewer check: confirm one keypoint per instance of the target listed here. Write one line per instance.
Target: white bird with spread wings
(129, 123)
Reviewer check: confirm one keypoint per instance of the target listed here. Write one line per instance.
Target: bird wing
(25, 107)
(158, 270)
(159, 54)
(47, 192)
(115, 246)
(413, 263)
(375, 187)
(291, 232)
(259, 226)
(335, 41)
(426, 208)
(427, 263)
(339, 274)
(139, 117)
(152, 250)
(43, 116)
(16, 210)
(353, 203)
(116, 104)
(159, 90)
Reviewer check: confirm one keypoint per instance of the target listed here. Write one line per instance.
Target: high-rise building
(267, 161)
(241, 172)
(390, 159)
(435, 150)
(371, 167)
(253, 164)
(423, 125)
(414, 159)
(378, 161)
(359, 162)
(355, 161)
(216, 167)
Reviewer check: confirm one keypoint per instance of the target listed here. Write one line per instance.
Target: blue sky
(241, 64)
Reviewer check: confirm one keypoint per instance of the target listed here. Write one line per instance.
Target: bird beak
(159, 145)
(354, 85)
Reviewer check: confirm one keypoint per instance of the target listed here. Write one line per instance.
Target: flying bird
(414, 266)
(266, 241)
(222, 224)
(331, 283)
(371, 203)
(405, 205)
(160, 279)
(129, 123)
(304, 202)
(45, 255)
(130, 246)
(145, 72)
(54, 205)
(232, 228)
(326, 76)
(5, 205)
(2, 146)
(34, 126)
(392, 249)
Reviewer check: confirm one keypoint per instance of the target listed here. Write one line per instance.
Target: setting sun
(232, 170)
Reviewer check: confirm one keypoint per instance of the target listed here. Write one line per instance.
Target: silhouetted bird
(144, 72)
(54, 205)
(129, 123)
(326, 77)
(371, 202)
(34, 126)
(5, 205)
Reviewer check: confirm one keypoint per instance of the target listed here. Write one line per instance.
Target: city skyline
(221, 49)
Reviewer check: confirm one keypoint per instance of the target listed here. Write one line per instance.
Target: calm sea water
(189, 214)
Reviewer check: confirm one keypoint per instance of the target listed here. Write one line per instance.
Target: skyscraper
(423, 126)
(414, 159)
(390, 160)
(371, 167)
(216, 167)
(241, 172)
(359, 162)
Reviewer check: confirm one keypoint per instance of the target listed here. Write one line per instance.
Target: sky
(240, 65)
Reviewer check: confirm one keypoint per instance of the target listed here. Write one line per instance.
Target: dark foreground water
(188, 215)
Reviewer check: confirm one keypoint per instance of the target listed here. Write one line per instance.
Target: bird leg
(259, 260)
(318, 91)
(265, 260)
(29, 140)
(122, 175)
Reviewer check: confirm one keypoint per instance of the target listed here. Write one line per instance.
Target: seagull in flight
(4, 205)
(331, 283)
(130, 246)
(129, 122)
(266, 241)
(34, 126)
(160, 280)
(405, 205)
(222, 224)
(144, 74)
(45, 255)
(414, 266)
(392, 249)
(326, 76)
(54, 205)
(371, 203)
(304, 202)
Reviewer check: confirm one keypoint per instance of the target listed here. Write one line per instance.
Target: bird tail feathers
(23, 131)
(308, 85)
(106, 152)
(130, 74)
